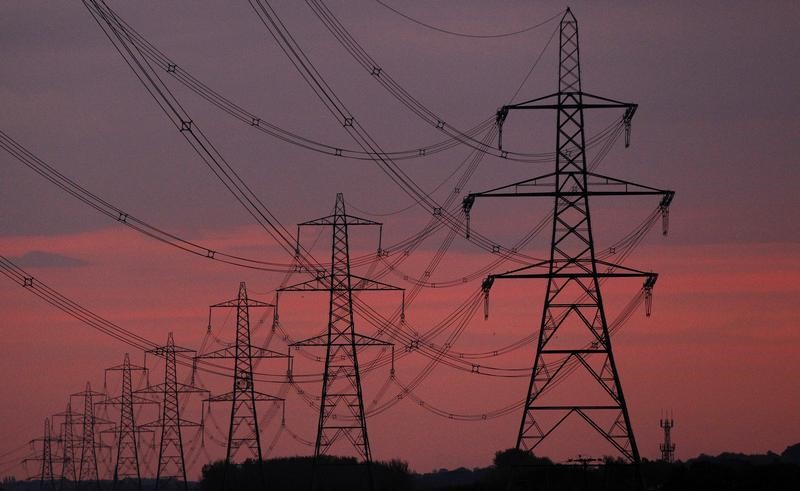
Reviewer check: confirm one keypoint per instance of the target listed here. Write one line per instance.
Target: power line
(467, 34)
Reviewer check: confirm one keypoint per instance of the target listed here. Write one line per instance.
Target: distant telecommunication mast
(667, 448)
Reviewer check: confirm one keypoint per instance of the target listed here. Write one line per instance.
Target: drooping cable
(467, 34)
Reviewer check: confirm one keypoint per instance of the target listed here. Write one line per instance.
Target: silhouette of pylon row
(574, 338)
(79, 454)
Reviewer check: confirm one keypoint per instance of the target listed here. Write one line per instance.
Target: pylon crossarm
(609, 186)
(513, 272)
(331, 219)
(528, 102)
(321, 340)
(162, 351)
(235, 303)
(630, 272)
(540, 102)
(118, 400)
(358, 340)
(256, 352)
(365, 284)
(534, 181)
(612, 271)
(610, 101)
(185, 423)
(362, 340)
(159, 389)
(630, 189)
(321, 283)
(559, 266)
(115, 430)
(101, 421)
(606, 180)
(228, 352)
(257, 396)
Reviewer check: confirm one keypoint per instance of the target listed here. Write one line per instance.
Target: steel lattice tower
(243, 431)
(87, 467)
(127, 463)
(341, 411)
(46, 475)
(573, 335)
(667, 448)
(69, 471)
(171, 461)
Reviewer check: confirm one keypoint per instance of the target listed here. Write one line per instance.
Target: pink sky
(715, 124)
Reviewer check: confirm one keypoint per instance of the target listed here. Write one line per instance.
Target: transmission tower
(127, 462)
(341, 408)
(243, 430)
(574, 335)
(667, 448)
(46, 475)
(171, 462)
(87, 467)
(69, 471)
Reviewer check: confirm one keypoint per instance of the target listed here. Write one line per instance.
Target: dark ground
(512, 470)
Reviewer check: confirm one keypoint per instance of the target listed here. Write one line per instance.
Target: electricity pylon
(243, 430)
(127, 461)
(171, 470)
(46, 475)
(574, 335)
(87, 467)
(667, 448)
(69, 470)
(341, 407)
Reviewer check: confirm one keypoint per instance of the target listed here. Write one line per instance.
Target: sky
(716, 87)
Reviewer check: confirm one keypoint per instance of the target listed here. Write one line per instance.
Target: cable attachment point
(402, 310)
(486, 286)
(626, 120)
(466, 205)
(664, 208)
(648, 294)
(499, 119)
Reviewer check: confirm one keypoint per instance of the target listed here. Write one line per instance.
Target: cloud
(41, 259)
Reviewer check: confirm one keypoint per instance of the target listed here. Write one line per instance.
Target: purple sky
(716, 84)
